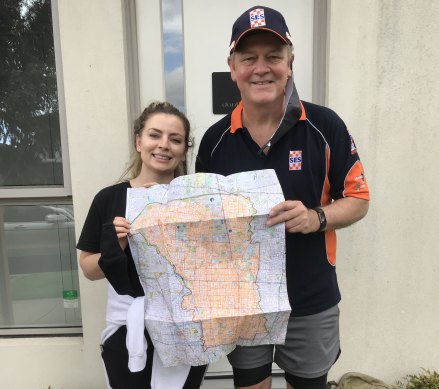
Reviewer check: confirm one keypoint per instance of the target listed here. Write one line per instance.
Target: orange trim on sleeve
(356, 184)
(236, 119)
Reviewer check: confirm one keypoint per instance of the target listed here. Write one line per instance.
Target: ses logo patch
(257, 18)
(295, 160)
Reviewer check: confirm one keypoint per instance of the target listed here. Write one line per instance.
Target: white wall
(383, 82)
(207, 32)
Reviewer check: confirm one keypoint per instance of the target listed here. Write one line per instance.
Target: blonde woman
(162, 139)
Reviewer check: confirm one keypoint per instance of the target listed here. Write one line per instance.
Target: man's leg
(266, 384)
(312, 346)
(252, 366)
(294, 382)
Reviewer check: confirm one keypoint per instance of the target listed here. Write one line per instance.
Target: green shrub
(424, 380)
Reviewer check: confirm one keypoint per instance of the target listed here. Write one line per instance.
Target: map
(213, 272)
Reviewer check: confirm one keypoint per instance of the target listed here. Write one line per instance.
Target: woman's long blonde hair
(135, 164)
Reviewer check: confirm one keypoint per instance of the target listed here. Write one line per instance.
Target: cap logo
(257, 18)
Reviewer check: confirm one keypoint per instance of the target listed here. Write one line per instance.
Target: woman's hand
(122, 227)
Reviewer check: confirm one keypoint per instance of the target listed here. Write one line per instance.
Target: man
(322, 177)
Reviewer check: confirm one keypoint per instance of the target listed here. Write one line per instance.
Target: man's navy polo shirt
(316, 162)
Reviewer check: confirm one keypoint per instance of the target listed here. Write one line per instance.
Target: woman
(162, 138)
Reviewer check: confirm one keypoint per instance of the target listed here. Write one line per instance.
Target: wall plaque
(225, 93)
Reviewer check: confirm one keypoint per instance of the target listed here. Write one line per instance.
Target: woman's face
(161, 145)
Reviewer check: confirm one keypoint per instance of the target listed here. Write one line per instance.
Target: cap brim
(256, 30)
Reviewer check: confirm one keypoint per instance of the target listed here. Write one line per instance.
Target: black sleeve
(90, 238)
(114, 262)
(106, 205)
(99, 236)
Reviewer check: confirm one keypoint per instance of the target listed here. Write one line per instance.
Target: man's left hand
(295, 215)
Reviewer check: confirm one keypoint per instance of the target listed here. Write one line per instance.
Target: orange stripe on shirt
(326, 196)
(331, 246)
(236, 120)
(303, 114)
(330, 235)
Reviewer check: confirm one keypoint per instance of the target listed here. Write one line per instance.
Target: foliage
(424, 380)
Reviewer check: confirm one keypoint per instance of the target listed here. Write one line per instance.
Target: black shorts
(115, 357)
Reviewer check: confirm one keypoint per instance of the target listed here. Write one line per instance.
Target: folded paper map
(213, 272)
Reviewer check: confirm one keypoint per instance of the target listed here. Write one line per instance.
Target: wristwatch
(322, 218)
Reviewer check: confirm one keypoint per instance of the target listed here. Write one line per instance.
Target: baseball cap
(259, 18)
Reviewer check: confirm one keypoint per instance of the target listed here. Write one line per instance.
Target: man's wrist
(321, 219)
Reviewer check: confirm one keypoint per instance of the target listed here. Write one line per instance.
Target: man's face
(260, 67)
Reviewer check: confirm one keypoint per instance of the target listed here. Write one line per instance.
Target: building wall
(382, 82)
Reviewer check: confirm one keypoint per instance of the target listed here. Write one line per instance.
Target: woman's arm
(89, 265)
(89, 261)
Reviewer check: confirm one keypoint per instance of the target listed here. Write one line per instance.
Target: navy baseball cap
(259, 18)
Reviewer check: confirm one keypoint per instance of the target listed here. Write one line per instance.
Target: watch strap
(322, 218)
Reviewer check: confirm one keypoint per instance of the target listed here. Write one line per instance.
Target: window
(38, 265)
(172, 24)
